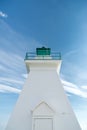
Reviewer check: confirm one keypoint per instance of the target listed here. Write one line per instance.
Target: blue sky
(58, 24)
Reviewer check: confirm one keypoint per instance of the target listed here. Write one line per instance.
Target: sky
(58, 24)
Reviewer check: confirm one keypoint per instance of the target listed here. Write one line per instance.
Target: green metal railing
(35, 56)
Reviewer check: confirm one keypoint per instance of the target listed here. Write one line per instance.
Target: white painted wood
(43, 109)
(43, 124)
(43, 84)
(42, 117)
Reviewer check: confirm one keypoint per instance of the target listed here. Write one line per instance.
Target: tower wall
(43, 84)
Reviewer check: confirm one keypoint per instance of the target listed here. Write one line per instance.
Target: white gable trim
(42, 112)
(43, 109)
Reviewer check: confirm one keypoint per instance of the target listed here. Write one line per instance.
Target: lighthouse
(43, 104)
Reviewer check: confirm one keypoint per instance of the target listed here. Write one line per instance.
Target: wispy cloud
(10, 80)
(11, 70)
(84, 87)
(25, 75)
(75, 65)
(69, 84)
(13, 47)
(3, 15)
(84, 124)
(73, 89)
(69, 87)
(12, 66)
(70, 53)
(5, 89)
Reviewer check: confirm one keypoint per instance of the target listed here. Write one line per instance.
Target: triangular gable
(43, 109)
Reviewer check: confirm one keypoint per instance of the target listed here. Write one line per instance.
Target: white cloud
(84, 87)
(75, 66)
(73, 89)
(14, 41)
(11, 80)
(3, 15)
(72, 52)
(69, 87)
(25, 75)
(11, 69)
(6, 88)
(10, 59)
(66, 83)
(10, 62)
(84, 125)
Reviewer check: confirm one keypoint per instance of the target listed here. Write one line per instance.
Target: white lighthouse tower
(43, 104)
